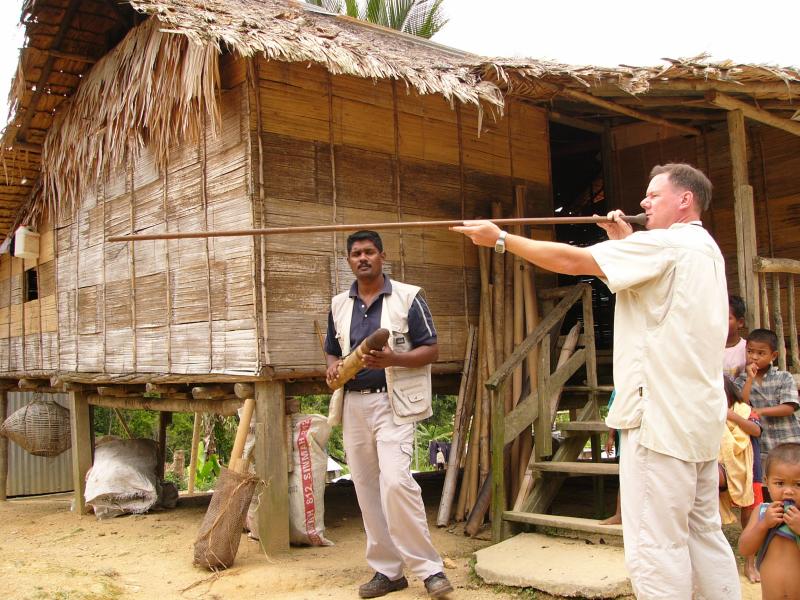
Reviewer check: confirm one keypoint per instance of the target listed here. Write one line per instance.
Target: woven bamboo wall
(347, 150)
(774, 162)
(181, 306)
(28, 329)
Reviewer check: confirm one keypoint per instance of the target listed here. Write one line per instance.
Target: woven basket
(40, 427)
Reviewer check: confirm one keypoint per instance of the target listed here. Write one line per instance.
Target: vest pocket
(409, 391)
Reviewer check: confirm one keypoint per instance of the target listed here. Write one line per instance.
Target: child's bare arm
(756, 531)
(782, 410)
(751, 375)
(746, 425)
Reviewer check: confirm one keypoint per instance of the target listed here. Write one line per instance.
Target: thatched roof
(79, 107)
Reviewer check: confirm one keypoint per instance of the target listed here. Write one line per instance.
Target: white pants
(674, 546)
(379, 456)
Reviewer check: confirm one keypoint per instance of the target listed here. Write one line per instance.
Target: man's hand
(791, 516)
(610, 441)
(379, 359)
(482, 233)
(333, 371)
(773, 516)
(616, 228)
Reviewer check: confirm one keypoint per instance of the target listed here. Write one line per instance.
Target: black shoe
(380, 585)
(438, 585)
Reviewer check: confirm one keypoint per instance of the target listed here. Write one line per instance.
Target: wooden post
(272, 466)
(765, 321)
(164, 419)
(792, 324)
(778, 317)
(198, 418)
(81, 446)
(3, 446)
(498, 465)
(744, 216)
(542, 438)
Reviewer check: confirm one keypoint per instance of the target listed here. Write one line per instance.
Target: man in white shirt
(669, 336)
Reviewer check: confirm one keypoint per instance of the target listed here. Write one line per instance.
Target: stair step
(578, 468)
(583, 426)
(560, 522)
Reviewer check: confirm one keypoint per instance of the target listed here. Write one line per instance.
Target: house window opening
(31, 285)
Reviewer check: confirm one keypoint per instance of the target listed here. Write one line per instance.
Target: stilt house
(171, 116)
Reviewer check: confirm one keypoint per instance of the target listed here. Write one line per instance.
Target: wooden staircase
(547, 476)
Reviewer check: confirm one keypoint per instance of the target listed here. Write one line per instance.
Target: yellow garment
(736, 455)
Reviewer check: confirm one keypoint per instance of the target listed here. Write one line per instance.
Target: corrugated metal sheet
(28, 474)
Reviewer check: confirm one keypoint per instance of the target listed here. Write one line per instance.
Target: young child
(740, 466)
(775, 533)
(771, 392)
(735, 357)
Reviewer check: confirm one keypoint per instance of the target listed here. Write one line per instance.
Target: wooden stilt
(795, 353)
(778, 317)
(81, 447)
(164, 419)
(272, 466)
(198, 419)
(3, 446)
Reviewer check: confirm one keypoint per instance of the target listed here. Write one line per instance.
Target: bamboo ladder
(538, 408)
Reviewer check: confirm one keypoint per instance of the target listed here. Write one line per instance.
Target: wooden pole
(635, 219)
(81, 447)
(489, 363)
(198, 418)
(3, 446)
(762, 278)
(570, 343)
(272, 467)
(451, 476)
(744, 216)
(778, 317)
(792, 324)
(236, 462)
(164, 419)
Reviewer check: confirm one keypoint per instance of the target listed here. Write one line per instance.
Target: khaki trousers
(379, 456)
(674, 546)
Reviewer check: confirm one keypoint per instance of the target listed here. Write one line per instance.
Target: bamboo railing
(536, 408)
(776, 271)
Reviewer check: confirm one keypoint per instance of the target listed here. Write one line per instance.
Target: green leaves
(422, 18)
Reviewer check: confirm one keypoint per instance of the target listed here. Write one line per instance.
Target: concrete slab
(557, 566)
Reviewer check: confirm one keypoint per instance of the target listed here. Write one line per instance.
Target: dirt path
(49, 553)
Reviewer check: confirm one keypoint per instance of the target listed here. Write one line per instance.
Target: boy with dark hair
(770, 391)
(735, 358)
(775, 534)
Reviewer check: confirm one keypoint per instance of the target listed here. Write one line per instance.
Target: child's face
(783, 482)
(734, 324)
(761, 354)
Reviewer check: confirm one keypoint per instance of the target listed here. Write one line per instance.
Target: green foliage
(422, 18)
(207, 469)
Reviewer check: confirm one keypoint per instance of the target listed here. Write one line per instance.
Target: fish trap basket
(221, 530)
(40, 427)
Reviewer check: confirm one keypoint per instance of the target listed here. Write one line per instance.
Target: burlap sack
(221, 530)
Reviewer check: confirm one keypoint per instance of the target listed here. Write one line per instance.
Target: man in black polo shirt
(381, 404)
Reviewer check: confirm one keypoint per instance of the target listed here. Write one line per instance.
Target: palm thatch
(160, 79)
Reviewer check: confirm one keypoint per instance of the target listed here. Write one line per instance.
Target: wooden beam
(72, 56)
(624, 110)
(752, 112)
(244, 390)
(744, 217)
(47, 68)
(776, 265)
(272, 467)
(562, 119)
(81, 447)
(212, 392)
(218, 407)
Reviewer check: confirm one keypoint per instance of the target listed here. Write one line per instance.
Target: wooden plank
(776, 265)
(542, 440)
(577, 468)
(272, 467)
(752, 112)
(498, 466)
(598, 426)
(562, 522)
(778, 317)
(81, 447)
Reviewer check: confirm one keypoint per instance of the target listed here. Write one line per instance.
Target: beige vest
(409, 390)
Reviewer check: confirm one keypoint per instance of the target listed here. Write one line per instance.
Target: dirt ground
(49, 553)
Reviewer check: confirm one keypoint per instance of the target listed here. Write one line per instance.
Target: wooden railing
(771, 317)
(535, 408)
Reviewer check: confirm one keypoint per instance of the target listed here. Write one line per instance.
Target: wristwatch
(500, 244)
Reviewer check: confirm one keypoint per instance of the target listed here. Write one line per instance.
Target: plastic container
(26, 243)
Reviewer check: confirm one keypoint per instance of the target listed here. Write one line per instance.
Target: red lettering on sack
(307, 477)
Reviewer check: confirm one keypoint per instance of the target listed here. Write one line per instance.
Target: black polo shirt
(367, 319)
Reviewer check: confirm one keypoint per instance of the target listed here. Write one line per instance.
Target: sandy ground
(49, 553)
